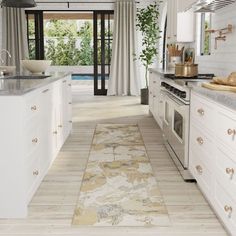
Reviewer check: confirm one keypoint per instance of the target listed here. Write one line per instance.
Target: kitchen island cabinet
(35, 121)
(213, 151)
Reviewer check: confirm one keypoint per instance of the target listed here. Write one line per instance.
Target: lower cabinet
(213, 156)
(33, 129)
(155, 97)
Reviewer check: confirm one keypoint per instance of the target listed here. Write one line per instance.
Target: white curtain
(124, 79)
(14, 35)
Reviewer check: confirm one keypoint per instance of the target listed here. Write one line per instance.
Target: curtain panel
(124, 79)
(14, 35)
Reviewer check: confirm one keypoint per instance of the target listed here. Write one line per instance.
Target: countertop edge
(224, 98)
(36, 84)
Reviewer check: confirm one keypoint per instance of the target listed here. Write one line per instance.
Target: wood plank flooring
(51, 209)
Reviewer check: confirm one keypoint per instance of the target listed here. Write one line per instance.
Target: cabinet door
(151, 90)
(171, 21)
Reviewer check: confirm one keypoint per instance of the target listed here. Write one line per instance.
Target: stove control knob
(183, 95)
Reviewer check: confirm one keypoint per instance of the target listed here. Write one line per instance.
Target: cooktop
(198, 77)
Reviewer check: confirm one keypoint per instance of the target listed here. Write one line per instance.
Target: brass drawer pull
(199, 169)
(33, 108)
(35, 140)
(55, 132)
(70, 121)
(228, 209)
(229, 171)
(36, 172)
(154, 96)
(231, 132)
(69, 85)
(70, 103)
(201, 111)
(200, 141)
(60, 126)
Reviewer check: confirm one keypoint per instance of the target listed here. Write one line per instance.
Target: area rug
(119, 188)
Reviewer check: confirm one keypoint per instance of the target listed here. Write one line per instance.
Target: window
(205, 37)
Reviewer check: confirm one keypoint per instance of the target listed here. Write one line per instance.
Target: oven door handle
(175, 100)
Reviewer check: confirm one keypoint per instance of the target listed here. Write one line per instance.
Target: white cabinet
(173, 7)
(155, 97)
(172, 10)
(33, 129)
(213, 155)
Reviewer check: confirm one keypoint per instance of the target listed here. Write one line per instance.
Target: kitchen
(195, 124)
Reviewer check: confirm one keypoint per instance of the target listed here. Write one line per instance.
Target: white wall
(223, 60)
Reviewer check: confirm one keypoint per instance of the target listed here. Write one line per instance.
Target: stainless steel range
(175, 92)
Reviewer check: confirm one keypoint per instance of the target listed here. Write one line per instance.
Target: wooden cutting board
(219, 87)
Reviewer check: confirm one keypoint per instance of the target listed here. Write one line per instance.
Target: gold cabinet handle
(199, 169)
(70, 103)
(228, 209)
(154, 96)
(201, 111)
(33, 108)
(70, 121)
(200, 140)
(229, 171)
(55, 132)
(36, 172)
(69, 85)
(60, 126)
(35, 140)
(231, 132)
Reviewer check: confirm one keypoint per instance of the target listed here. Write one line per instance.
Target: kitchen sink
(28, 77)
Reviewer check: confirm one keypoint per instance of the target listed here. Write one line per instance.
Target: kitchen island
(35, 121)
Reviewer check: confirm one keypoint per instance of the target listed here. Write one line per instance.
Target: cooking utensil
(186, 70)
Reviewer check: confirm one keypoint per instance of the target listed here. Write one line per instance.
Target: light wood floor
(51, 209)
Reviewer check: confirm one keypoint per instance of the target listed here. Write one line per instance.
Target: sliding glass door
(103, 36)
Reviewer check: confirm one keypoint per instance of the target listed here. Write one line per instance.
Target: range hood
(210, 5)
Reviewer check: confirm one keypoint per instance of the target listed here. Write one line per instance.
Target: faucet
(7, 52)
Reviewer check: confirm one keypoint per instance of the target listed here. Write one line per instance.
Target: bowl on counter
(36, 66)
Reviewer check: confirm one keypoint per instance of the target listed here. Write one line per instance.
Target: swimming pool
(85, 77)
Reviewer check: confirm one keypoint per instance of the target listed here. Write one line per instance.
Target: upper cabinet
(173, 7)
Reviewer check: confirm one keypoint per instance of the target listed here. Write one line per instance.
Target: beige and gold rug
(119, 188)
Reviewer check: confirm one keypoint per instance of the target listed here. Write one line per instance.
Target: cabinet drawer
(225, 206)
(202, 145)
(32, 174)
(226, 170)
(32, 138)
(226, 128)
(202, 112)
(32, 106)
(201, 173)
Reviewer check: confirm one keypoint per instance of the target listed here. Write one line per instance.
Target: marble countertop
(227, 99)
(18, 87)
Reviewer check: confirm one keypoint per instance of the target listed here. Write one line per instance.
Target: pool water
(85, 77)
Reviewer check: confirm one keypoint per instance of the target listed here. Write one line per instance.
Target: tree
(85, 54)
(147, 23)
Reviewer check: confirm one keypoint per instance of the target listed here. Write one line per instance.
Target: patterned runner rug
(119, 188)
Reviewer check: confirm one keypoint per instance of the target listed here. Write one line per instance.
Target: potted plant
(147, 24)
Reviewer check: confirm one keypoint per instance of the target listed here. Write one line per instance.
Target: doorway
(78, 41)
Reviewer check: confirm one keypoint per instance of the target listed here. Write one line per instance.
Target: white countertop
(18, 87)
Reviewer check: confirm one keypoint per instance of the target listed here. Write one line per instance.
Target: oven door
(176, 127)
